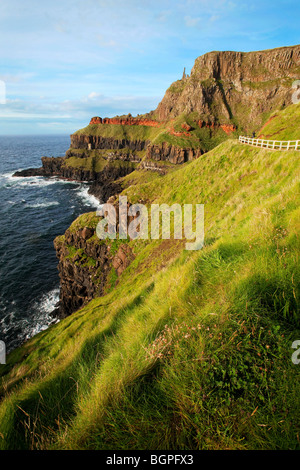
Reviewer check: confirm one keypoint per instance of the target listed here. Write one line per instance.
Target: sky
(65, 61)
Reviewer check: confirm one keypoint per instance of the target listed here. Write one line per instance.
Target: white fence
(271, 144)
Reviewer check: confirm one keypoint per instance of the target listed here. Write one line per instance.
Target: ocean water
(33, 211)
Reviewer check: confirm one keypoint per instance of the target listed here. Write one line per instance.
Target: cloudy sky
(64, 61)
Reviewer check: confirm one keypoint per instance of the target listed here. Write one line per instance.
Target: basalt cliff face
(99, 142)
(88, 267)
(103, 180)
(234, 86)
(85, 268)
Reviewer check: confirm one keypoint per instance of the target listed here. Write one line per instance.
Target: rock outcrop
(227, 128)
(89, 267)
(98, 142)
(103, 183)
(51, 166)
(126, 121)
(83, 269)
(172, 154)
(227, 86)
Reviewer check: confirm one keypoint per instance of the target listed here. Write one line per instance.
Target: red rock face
(186, 127)
(228, 128)
(130, 121)
(179, 134)
(96, 120)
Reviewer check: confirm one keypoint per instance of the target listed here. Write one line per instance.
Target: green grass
(177, 87)
(283, 125)
(261, 85)
(119, 131)
(190, 350)
(96, 163)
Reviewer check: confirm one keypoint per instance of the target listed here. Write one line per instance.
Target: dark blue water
(33, 211)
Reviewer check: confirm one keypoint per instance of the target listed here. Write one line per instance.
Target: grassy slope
(191, 349)
(95, 162)
(285, 128)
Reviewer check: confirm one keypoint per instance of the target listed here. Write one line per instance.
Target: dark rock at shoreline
(52, 166)
(30, 172)
(103, 184)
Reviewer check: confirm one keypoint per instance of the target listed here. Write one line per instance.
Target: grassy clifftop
(197, 137)
(190, 350)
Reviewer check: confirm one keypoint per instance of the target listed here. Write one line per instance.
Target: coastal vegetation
(186, 349)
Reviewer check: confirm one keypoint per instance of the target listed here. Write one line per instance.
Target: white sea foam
(88, 199)
(44, 204)
(39, 181)
(49, 301)
(43, 317)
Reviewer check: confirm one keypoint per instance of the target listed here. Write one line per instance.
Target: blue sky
(62, 62)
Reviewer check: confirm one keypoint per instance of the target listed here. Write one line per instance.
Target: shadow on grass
(50, 404)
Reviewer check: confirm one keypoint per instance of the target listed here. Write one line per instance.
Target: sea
(33, 211)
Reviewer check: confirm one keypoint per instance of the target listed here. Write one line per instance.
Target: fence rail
(271, 144)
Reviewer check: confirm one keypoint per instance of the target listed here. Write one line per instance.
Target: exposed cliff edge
(88, 267)
(102, 176)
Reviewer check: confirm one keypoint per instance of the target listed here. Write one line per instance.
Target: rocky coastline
(226, 92)
(84, 264)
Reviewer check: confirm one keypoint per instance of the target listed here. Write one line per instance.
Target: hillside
(286, 127)
(183, 349)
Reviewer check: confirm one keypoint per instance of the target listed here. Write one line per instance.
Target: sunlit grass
(191, 350)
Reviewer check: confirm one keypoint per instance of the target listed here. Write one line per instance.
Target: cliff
(234, 87)
(88, 267)
(102, 173)
(226, 93)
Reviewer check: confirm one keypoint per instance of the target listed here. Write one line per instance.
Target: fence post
(272, 144)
